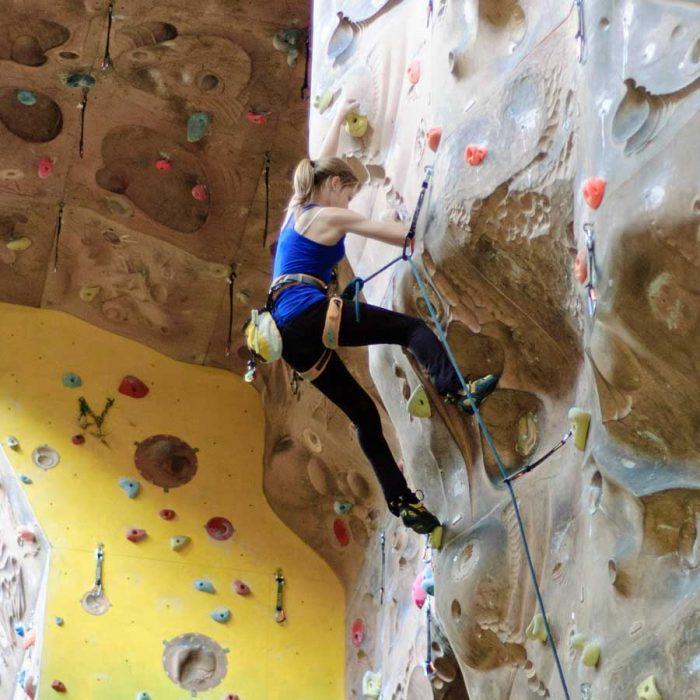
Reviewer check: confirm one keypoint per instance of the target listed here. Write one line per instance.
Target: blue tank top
(296, 253)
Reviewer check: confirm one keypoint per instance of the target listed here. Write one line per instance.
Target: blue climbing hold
(220, 615)
(342, 507)
(58, 620)
(201, 584)
(82, 80)
(72, 380)
(143, 695)
(197, 126)
(26, 97)
(131, 487)
(25, 479)
(20, 630)
(428, 584)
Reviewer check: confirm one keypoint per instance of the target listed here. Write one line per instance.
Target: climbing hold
(593, 190)
(580, 421)
(25, 534)
(647, 690)
(29, 639)
(358, 632)
(136, 534)
(220, 615)
(19, 630)
(81, 80)
(435, 538)
(197, 126)
(45, 457)
(167, 514)
(474, 155)
(581, 267)
(433, 137)
(58, 620)
(205, 586)
(164, 164)
(219, 528)
(341, 532)
(356, 125)
(591, 654)
(288, 41)
(133, 387)
(231, 696)
(88, 294)
(417, 592)
(199, 192)
(418, 404)
(25, 479)
(143, 695)
(58, 686)
(26, 97)
(323, 101)
(578, 641)
(78, 439)
(131, 487)
(413, 72)
(178, 542)
(428, 583)
(536, 629)
(18, 244)
(45, 167)
(240, 587)
(342, 507)
(72, 380)
(12, 442)
(372, 684)
(259, 118)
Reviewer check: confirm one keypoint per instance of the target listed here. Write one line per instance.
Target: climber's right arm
(346, 221)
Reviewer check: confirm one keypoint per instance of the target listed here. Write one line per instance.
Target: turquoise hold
(25, 479)
(58, 620)
(26, 97)
(203, 585)
(342, 507)
(72, 380)
(143, 695)
(221, 615)
(198, 126)
(82, 80)
(428, 583)
(131, 487)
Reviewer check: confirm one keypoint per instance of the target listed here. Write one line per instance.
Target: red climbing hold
(199, 192)
(231, 696)
(78, 439)
(341, 531)
(164, 164)
(135, 534)
(358, 632)
(593, 191)
(58, 686)
(45, 167)
(133, 386)
(256, 117)
(474, 155)
(240, 587)
(219, 528)
(581, 266)
(434, 136)
(413, 72)
(417, 592)
(167, 514)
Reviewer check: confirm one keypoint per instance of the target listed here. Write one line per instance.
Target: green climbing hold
(418, 404)
(591, 654)
(288, 41)
(81, 80)
(580, 422)
(143, 695)
(26, 97)
(536, 629)
(342, 507)
(198, 126)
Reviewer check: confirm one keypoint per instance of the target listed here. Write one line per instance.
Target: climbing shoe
(414, 514)
(479, 389)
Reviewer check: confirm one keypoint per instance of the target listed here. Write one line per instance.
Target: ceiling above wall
(133, 142)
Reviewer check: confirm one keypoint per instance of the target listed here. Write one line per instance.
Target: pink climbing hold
(474, 155)
(199, 192)
(45, 167)
(167, 514)
(417, 592)
(413, 72)
(240, 587)
(135, 534)
(434, 135)
(164, 164)
(133, 387)
(29, 639)
(581, 266)
(26, 534)
(258, 118)
(358, 632)
(593, 190)
(58, 686)
(78, 439)
(341, 532)
(219, 528)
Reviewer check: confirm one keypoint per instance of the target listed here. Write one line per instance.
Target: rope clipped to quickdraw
(266, 173)
(581, 31)
(57, 235)
(83, 108)
(382, 547)
(504, 474)
(528, 468)
(592, 279)
(229, 335)
(107, 59)
(280, 615)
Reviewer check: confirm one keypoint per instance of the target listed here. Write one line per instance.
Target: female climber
(310, 244)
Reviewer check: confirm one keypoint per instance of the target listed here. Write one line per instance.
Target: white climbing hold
(372, 684)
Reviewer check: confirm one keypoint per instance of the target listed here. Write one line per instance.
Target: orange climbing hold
(434, 135)
(593, 190)
(413, 72)
(164, 164)
(341, 532)
(45, 167)
(581, 266)
(59, 686)
(258, 118)
(199, 192)
(474, 155)
(358, 632)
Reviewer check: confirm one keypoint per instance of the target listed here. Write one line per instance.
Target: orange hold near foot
(413, 72)
(474, 155)
(593, 190)
(58, 686)
(434, 135)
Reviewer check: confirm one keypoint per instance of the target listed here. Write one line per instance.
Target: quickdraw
(592, 279)
(280, 615)
(382, 546)
(580, 33)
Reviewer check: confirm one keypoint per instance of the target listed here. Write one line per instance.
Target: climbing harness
(266, 173)
(382, 547)
(83, 108)
(229, 336)
(528, 468)
(580, 33)
(57, 235)
(592, 279)
(280, 615)
(107, 59)
(428, 665)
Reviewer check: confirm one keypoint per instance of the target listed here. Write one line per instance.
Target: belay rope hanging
(351, 293)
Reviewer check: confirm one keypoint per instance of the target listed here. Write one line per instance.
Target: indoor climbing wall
(109, 446)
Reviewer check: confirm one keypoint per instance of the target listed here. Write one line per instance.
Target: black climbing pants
(302, 348)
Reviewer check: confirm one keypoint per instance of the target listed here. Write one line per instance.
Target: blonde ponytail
(310, 176)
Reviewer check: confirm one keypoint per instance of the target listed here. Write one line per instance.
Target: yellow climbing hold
(647, 690)
(591, 654)
(371, 684)
(536, 628)
(435, 538)
(88, 294)
(580, 421)
(323, 101)
(19, 243)
(418, 404)
(578, 641)
(356, 125)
